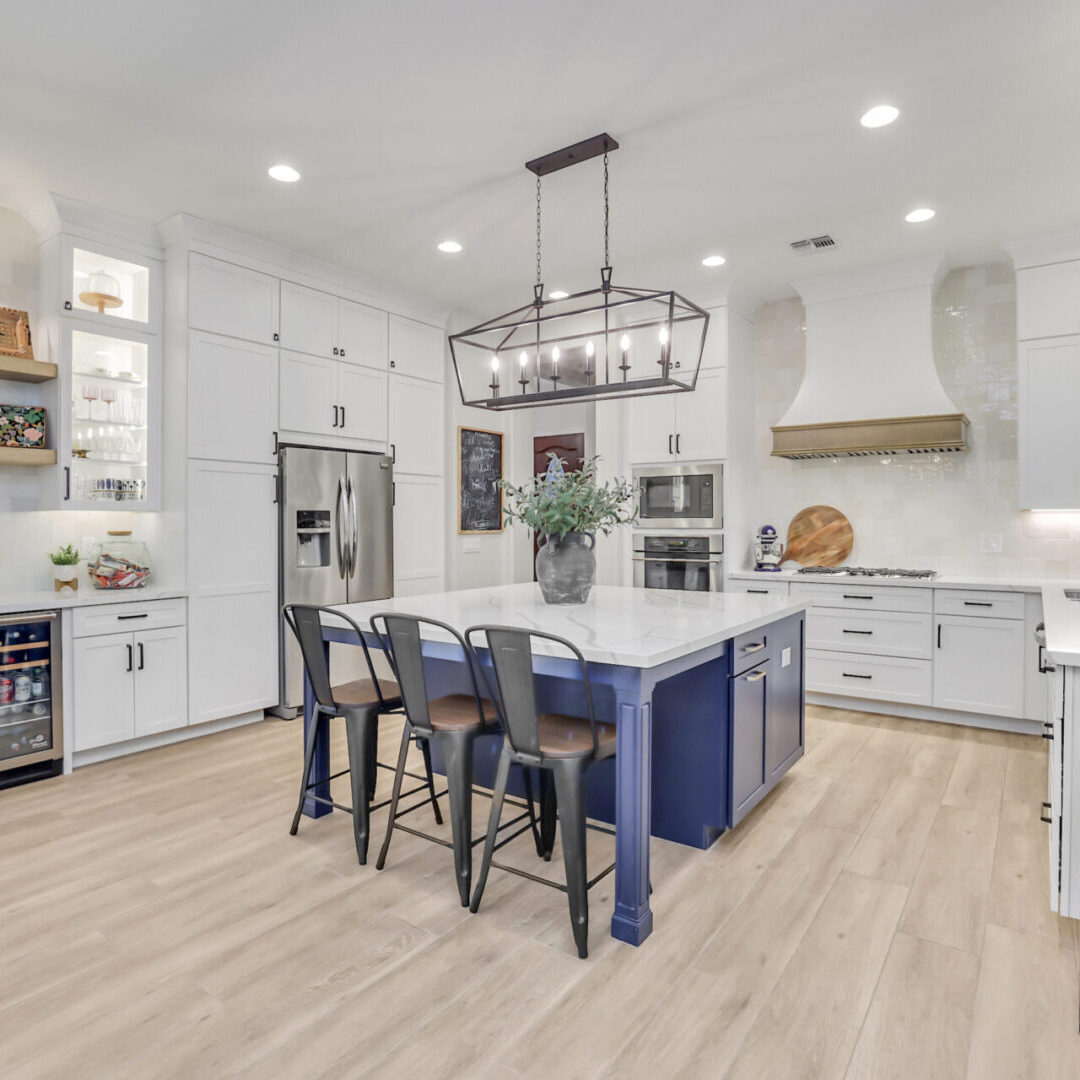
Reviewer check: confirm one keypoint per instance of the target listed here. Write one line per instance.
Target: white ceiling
(411, 122)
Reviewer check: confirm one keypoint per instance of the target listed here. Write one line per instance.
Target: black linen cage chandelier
(610, 342)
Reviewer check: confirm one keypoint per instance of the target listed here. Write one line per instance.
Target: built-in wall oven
(684, 563)
(680, 496)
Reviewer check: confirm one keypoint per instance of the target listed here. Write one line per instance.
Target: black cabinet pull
(277, 487)
(393, 453)
(977, 603)
(277, 337)
(335, 350)
(277, 445)
(142, 658)
(130, 656)
(1045, 820)
(669, 438)
(848, 675)
(342, 353)
(67, 482)
(393, 494)
(144, 615)
(856, 596)
(678, 439)
(759, 592)
(939, 635)
(342, 415)
(393, 363)
(335, 416)
(867, 632)
(67, 305)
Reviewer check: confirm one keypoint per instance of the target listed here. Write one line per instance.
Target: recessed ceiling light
(451, 247)
(922, 214)
(713, 260)
(558, 294)
(285, 173)
(879, 116)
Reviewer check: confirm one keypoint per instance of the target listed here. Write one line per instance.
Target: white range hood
(871, 386)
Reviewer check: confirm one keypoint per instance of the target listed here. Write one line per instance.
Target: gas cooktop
(867, 571)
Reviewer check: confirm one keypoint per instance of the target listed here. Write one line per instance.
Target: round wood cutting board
(819, 536)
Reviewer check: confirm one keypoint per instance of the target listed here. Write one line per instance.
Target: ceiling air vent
(813, 243)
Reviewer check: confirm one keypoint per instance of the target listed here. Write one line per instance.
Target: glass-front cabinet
(110, 286)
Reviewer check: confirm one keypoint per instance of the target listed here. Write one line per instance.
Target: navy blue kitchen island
(705, 690)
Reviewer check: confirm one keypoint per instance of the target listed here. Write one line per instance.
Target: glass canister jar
(120, 562)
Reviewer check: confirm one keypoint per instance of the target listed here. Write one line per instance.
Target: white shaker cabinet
(1047, 429)
(417, 349)
(308, 318)
(979, 665)
(1048, 300)
(104, 701)
(361, 397)
(418, 549)
(232, 300)
(232, 391)
(416, 425)
(160, 680)
(686, 426)
(362, 334)
(309, 394)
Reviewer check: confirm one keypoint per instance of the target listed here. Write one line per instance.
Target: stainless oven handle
(676, 559)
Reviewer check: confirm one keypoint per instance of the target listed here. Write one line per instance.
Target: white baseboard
(922, 712)
(163, 738)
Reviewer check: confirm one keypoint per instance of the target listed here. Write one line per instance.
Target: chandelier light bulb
(523, 359)
(663, 335)
(555, 354)
(590, 349)
(494, 362)
(624, 343)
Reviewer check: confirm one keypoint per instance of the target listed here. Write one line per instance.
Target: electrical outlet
(991, 543)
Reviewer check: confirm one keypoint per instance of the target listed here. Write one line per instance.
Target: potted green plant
(567, 509)
(65, 562)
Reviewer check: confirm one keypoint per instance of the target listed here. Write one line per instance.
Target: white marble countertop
(618, 625)
(943, 581)
(1062, 618)
(46, 600)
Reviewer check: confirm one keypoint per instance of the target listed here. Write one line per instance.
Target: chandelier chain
(539, 279)
(607, 212)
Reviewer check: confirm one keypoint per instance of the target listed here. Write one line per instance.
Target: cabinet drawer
(748, 650)
(862, 597)
(766, 588)
(885, 678)
(1000, 605)
(121, 617)
(882, 633)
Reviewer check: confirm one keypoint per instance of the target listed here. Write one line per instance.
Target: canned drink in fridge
(22, 687)
(7, 690)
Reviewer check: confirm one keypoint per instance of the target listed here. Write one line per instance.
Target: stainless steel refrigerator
(337, 540)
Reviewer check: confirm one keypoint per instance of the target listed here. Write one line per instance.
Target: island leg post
(632, 921)
(320, 764)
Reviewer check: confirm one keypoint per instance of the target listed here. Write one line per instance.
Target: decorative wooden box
(22, 425)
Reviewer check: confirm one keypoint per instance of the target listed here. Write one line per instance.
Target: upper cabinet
(685, 426)
(107, 285)
(1048, 300)
(227, 299)
(320, 324)
(417, 349)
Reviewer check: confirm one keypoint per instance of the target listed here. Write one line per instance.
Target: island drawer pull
(978, 603)
(756, 676)
(867, 632)
(1046, 820)
(759, 592)
(857, 596)
(144, 615)
(755, 646)
(848, 675)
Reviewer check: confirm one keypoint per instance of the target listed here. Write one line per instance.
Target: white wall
(938, 515)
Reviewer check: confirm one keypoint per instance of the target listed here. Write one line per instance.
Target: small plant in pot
(65, 562)
(567, 509)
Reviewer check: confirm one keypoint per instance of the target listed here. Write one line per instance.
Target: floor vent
(813, 243)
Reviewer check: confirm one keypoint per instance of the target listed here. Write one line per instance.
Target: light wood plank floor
(883, 914)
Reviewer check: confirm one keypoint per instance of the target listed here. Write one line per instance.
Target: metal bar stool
(360, 703)
(453, 721)
(564, 746)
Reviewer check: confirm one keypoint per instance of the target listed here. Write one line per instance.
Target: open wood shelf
(22, 370)
(26, 455)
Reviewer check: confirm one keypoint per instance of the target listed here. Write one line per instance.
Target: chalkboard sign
(480, 467)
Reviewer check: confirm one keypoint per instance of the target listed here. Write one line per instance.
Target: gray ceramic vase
(566, 569)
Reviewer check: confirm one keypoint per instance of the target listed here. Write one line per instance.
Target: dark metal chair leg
(399, 775)
(547, 814)
(502, 772)
(372, 765)
(425, 749)
(526, 773)
(458, 751)
(309, 756)
(570, 791)
(358, 727)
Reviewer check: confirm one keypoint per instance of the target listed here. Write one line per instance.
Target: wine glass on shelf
(108, 396)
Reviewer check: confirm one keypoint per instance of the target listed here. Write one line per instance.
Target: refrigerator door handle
(341, 511)
(354, 518)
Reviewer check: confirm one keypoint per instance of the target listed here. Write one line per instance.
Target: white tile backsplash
(923, 513)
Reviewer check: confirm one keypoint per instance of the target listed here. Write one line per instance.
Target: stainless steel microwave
(680, 496)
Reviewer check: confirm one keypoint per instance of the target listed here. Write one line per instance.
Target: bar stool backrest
(511, 653)
(400, 635)
(306, 622)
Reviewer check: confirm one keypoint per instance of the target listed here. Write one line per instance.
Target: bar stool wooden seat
(360, 703)
(560, 745)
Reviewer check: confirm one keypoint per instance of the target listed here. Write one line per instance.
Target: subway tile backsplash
(949, 515)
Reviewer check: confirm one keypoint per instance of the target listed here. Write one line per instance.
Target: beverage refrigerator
(31, 707)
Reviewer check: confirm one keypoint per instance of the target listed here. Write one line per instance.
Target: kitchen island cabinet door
(747, 701)
(784, 699)
(160, 680)
(308, 394)
(104, 701)
(979, 665)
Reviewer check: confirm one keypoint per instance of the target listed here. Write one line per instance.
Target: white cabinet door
(1048, 300)
(652, 429)
(417, 349)
(361, 395)
(232, 398)
(308, 319)
(1047, 429)
(232, 578)
(418, 549)
(104, 700)
(979, 665)
(308, 394)
(362, 334)
(701, 418)
(416, 425)
(160, 680)
(228, 299)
